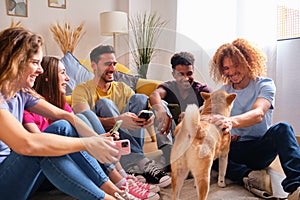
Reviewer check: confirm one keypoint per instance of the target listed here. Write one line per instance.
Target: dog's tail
(190, 121)
(186, 131)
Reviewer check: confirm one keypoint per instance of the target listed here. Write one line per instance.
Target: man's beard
(107, 81)
(103, 77)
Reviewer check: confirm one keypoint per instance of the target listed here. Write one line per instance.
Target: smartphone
(145, 114)
(123, 146)
(175, 111)
(116, 127)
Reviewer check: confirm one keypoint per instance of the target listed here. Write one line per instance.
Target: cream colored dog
(198, 143)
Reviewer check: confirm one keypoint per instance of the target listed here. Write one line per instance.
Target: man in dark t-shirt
(171, 98)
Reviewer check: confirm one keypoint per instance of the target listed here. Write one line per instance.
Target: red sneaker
(139, 192)
(145, 186)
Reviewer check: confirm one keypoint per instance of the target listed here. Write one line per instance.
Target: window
(216, 22)
(288, 21)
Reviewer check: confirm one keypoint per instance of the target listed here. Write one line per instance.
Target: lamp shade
(113, 22)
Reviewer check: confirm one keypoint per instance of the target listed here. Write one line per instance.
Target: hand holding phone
(116, 127)
(123, 146)
(145, 114)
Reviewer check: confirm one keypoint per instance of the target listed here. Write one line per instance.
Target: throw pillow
(128, 79)
(76, 71)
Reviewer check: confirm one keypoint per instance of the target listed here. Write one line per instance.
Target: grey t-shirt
(15, 106)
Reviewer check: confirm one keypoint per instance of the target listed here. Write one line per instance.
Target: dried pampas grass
(15, 24)
(66, 37)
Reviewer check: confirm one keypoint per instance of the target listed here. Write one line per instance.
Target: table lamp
(113, 23)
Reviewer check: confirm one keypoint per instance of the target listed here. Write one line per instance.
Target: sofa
(80, 71)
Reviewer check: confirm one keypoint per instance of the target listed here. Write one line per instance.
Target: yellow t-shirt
(89, 93)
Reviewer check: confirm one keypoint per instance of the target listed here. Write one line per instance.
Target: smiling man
(181, 91)
(255, 141)
(113, 101)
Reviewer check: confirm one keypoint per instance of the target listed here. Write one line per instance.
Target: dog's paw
(221, 184)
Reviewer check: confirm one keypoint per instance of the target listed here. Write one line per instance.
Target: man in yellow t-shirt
(113, 101)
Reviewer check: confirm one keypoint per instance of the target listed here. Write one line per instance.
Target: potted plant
(145, 30)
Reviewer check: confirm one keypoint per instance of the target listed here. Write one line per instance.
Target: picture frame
(57, 4)
(17, 8)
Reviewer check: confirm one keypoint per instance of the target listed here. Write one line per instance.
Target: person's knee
(139, 99)
(61, 127)
(102, 105)
(104, 101)
(87, 113)
(284, 127)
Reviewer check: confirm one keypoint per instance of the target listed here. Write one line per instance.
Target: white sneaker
(295, 195)
(259, 183)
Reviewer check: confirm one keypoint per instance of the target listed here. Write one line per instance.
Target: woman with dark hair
(51, 85)
(25, 156)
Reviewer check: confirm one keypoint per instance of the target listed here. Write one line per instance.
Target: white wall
(40, 16)
(287, 83)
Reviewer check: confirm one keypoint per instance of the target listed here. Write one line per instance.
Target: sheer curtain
(202, 26)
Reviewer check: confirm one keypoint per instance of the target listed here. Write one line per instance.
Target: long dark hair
(47, 85)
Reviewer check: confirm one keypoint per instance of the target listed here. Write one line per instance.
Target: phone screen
(116, 126)
(175, 111)
(146, 114)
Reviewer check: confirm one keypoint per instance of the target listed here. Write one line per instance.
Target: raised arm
(18, 139)
(21, 141)
(50, 111)
(157, 95)
(249, 118)
(253, 116)
(162, 120)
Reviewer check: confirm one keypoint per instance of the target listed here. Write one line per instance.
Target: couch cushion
(130, 80)
(76, 71)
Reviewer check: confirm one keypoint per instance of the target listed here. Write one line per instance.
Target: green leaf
(146, 29)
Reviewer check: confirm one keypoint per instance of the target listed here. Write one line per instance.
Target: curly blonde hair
(243, 54)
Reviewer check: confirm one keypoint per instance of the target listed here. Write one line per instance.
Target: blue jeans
(279, 140)
(18, 173)
(91, 119)
(165, 141)
(106, 108)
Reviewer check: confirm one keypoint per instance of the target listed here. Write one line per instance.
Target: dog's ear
(230, 98)
(205, 95)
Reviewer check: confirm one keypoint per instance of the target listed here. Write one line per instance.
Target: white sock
(121, 183)
(123, 173)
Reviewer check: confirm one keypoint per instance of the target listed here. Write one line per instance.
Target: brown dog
(198, 143)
